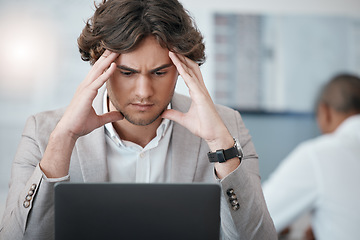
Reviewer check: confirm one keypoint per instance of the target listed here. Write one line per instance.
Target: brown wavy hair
(120, 25)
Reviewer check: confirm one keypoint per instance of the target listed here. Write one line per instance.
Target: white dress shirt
(129, 162)
(321, 175)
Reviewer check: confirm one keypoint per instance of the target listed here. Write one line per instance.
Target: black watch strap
(222, 155)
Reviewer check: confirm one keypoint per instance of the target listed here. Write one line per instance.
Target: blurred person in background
(126, 124)
(321, 175)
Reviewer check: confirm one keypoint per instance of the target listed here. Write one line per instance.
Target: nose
(144, 87)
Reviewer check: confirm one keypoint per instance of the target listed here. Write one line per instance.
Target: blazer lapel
(185, 146)
(91, 149)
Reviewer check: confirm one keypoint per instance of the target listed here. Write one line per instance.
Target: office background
(40, 66)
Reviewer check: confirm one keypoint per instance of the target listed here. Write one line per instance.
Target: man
(321, 175)
(135, 128)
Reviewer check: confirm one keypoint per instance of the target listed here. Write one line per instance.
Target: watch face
(239, 148)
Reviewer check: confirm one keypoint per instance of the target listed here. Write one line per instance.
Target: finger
(106, 53)
(180, 64)
(110, 117)
(174, 115)
(103, 77)
(193, 81)
(183, 70)
(92, 89)
(105, 58)
(88, 92)
(103, 62)
(101, 65)
(192, 67)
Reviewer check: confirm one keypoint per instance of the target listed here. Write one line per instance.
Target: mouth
(142, 106)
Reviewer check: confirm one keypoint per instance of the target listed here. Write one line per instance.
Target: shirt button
(142, 155)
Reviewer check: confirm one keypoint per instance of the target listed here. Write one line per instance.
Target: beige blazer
(35, 219)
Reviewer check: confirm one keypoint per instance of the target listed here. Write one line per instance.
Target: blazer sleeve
(29, 212)
(244, 212)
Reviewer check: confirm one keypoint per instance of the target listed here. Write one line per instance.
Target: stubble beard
(141, 121)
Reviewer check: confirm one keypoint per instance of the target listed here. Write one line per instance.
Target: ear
(324, 118)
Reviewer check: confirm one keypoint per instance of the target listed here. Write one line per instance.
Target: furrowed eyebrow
(161, 67)
(122, 67)
(125, 68)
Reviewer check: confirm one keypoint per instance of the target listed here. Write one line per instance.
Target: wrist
(56, 159)
(226, 159)
(61, 133)
(223, 155)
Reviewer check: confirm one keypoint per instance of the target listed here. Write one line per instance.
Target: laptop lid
(137, 211)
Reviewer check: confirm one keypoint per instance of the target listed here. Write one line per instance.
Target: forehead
(149, 54)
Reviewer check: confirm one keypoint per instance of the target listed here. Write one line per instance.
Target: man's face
(144, 82)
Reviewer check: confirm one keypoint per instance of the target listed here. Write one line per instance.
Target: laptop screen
(137, 211)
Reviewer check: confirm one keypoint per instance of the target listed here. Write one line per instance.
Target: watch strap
(222, 155)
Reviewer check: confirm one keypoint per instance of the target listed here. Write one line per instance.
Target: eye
(126, 73)
(159, 73)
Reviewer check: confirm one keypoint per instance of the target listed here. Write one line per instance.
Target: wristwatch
(222, 155)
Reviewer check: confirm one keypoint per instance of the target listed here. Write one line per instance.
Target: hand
(202, 119)
(80, 118)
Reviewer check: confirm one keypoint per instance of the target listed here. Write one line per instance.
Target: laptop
(137, 211)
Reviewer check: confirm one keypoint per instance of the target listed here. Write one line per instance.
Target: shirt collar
(110, 130)
(349, 125)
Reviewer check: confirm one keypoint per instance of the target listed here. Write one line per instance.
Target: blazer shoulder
(43, 123)
(49, 118)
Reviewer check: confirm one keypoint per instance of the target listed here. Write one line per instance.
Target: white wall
(281, 93)
(348, 7)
